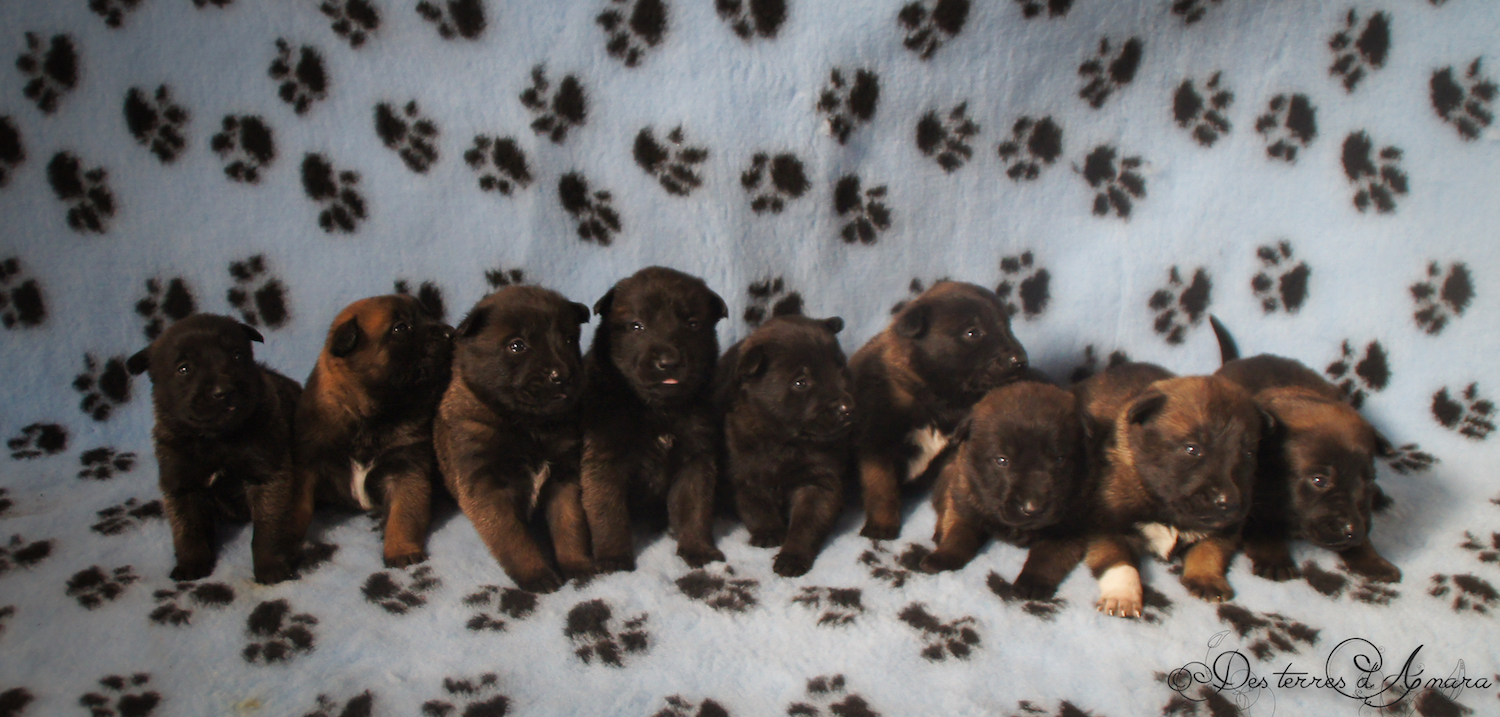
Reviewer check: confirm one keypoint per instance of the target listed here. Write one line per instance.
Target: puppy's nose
(666, 360)
(556, 376)
(448, 333)
(1031, 508)
(843, 411)
(221, 393)
(1348, 530)
(1018, 362)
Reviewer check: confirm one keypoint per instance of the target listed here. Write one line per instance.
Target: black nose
(221, 393)
(1018, 362)
(844, 411)
(448, 334)
(1348, 530)
(1031, 508)
(556, 376)
(666, 360)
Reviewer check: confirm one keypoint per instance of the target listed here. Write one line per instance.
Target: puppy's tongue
(670, 382)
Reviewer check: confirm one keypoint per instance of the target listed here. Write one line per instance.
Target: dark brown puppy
(364, 424)
(1019, 474)
(223, 440)
(788, 408)
(650, 431)
(1177, 466)
(508, 437)
(916, 380)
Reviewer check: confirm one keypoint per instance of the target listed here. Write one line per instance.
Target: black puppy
(649, 428)
(785, 393)
(223, 440)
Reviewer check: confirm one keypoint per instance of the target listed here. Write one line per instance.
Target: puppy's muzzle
(1338, 532)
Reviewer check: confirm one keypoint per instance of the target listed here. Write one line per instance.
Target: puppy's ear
(1146, 406)
(752, 363)
(1383, 446)
(1268, 422)
(961, 433)
(912, 323)
(138, 363)
(252, 334)
(345, 338)
(602, 306)
(474, 322)
(580, 311)
(716, 308)
(833, 324)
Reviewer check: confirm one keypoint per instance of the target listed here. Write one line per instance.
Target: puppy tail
(1228, 351)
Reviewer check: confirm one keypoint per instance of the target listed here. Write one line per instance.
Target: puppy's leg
(407, 485)
(690, 511)
(1047, 565)
(1113, 563)
(569, 528)
(759, 511)
(880, 481)
(605, 508)
(958, 538)
(305, 489)
(271, 508)
(495, 509)
(814, 509)
(190, 512)
(1204, 567)
(1364, 560)
(1270, 558)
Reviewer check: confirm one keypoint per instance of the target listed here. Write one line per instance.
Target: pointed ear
(961, 433)
(716, 307)
(252, 334)
(1383, 446)
(580, 311)
(752, 363)
(833, 324)
(1146, 406)
(912, 323)
(138, 363)
(602, 306)
(474, 322)
(345, 338)
(1268, 423)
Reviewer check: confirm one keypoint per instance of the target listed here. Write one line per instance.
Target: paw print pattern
(247, 145)
(51, 73)
(90, 203)
(632, 28)
(343, 206)
(17, 553)
(122, 697)
(514, 603)
(302, 83)
(1110, 70)
(864, 213)
(1357, 378)
(1469, 106)
(946, 138)
(1114, 185)
(1032, 292)
(840, 606)
(353, 20)
(6, 613)
(113, 11)
(200, 4)
(282, 635)
(1409, 459)
(161, 307)
(37, 440)
(395, 598)
(428, 294)
(1355, 56)
(957, 638)
(93, 587)
(1273, 634)
(556, 113)
(5, 504)
(773, 181)
(1377, 185)
(360, 705)
(103, 388)
(260, 299)
(1470, 415)
(821, 695)
(849, 103)
(1279, 284)
(500, 276)
(410, 135)
(21, 303)
(170, 602)
(751, 18)
(1203, 117)
(1471, 593)
(1440, 298)
(678, 706)
(1031, 9)
(1044, 609)
(1090, 365)
(12, 152)
(591, 627)
(156, 122)
(500, 162)
(1191, 11)
(1289, 125)
(1484, 552)
(477, 696)
(117, 519)
(454, 18)
(1034, 144)
(929, 26)
(597, 220)
(672, 164)
(891, 568)
(1333, 585)
(1178, 307)
(770, 298)
(722, 592)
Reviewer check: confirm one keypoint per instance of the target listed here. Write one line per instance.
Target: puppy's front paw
(1120, 591)
(577, 570)
(193, 570)
(541, 582)
(939, 561)
(614, 564)
(404, 559)
(1377, 568)
(791, 565)
(1213, 588)
(1030, 587)
(1278, 571)
(1119, 607)
(770, 539)
(881, 531)
(700, 556)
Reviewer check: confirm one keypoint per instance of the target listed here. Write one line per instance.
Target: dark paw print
(216, 3)
(21, 301)
(1034, 144)
(891, 568)
(113, 11)
(500, 276)
(1355, 55)
(678, 706)
(1155, 607)
(303, 82)
(1485, 552)
(672, 164)
(353, 20)
(360, 705)
(170, 602)
(1440, 298)
(1356, 378)
(748, 18)
(770, 298)
(259, 297)
(633, 27)
(1333, 585)
(477, 696)
(1289, 125)
(1409, 459)
(1273, 634)
(556, 113)
(6, 613)
(1191, 11)
(1472, 416)
(161, 307)
(20, 554)
(410, 135)
(12, 152)
(849, 103)
(282, 635)
(1180, 307)
(773, 181)
(930, 25)
(454, 18)
(722, 592)
(13, 701)
(597, 220)
(1471, 593)
(1203, 116)
(840, 606)
(1044, 609)
(946, 138)
(1279, 284)
(1053, 8)
(1467, 106)
(957, 638)
(514, 603)
(1090, 365)
(1114, 186)
(90, 203)
(1032, 292)
(51, 72)
(1205, 702)
(93, 586)
(315, 554)
(1027, 708)
(830, 692)
(343, 206)
(131, 514)
(395, 598)
(428, 294)
(156, 122)
(591, 627)
(1110, 70)
(246, 145)
(103, 388)
(1377, 185)
(5, 502)
(864, 213)
(500, 162)
(122, 697)
(37, 440)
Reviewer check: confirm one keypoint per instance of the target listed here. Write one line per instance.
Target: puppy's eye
(974, 334)
(517, 346)
(183, 369)
(692, 324)
(1002, 461)
(401, 328)
(1193, 450)
(238, 356)
(1319, 481)
(801, 384)
(637, 326)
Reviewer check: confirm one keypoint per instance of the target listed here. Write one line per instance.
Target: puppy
(650, 432)
(508, 437)
(1019, 473)
(364, 424)
(788, 408)
(223, 439)
(916, 380)
(1177, 468)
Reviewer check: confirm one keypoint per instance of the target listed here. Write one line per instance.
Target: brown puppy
(364, 424)
(508, 437)
(650, 431)
(916, 380)
(223, 439)
(1019, 474)
(788, 410)
(1177, 462)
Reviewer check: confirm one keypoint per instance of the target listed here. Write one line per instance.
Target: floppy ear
(252, 334)
(345, 338)
(752, 363)
(474, 322)
(580, 311)
(601, 307)
(716, 308)
(138, 363)
(833, 324)
(1145, 407)
(912, 323)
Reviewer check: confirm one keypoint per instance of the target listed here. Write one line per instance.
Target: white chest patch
(538, 479)
(358, 473)
(1163, 539)
(929, 441)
